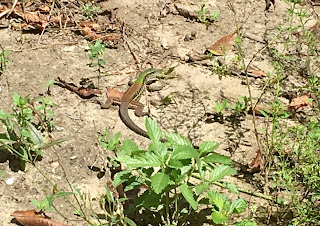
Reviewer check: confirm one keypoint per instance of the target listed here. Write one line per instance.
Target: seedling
(204, 16)
(3, 59)
(90, 10)
(95, 54)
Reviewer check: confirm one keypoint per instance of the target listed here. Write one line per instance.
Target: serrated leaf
(143, 160)
(218, 217)
(220, 172)
(159, 181)
(177, 139)
(121, 177)
(160, 149)
(128, 147)
(188, 195)
(220, 202)
(154, 130)
(201, 188)
(238, 206)
(218, 158)
(184, 152)
(232, 187)
(208, 146)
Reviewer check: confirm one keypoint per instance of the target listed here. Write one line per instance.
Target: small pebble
(10, 181)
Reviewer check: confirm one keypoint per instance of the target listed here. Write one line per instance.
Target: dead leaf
(44, 8)
(224, 44)
(31, 217)
(301, 102)
(113, 93)
(83, 92)
(255, 165)
(257, 73)
(31, 18)
(57, 20)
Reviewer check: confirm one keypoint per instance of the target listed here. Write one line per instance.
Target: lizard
(129, 100)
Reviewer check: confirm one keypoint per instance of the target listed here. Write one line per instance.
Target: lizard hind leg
(139, 110)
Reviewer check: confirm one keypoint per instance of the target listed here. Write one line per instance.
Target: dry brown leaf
(31, 217)
(255, 165)
(301, 102)
(44, 8)
(91, 25)
(31, 18)
(222, 45)
(257, 73)
(81, 91)
(57, 20)
(113, 93)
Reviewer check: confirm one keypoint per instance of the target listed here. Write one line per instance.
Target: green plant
(206, 17)
(3, 59)
(89, 10)
(241, 105)
(47, 203)
(95, 54)
(168, 171)
(21, 136)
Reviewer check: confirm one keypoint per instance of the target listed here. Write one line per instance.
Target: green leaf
(16, 97)
(159, 181)
(188, 195)
(4, 115)
(220, 172)
(184, 152)
(232, 187)
(160, 149)
(200, 188)
(35, 135)
(238, 206)
(154, 130)
(218, 158)
(129, 221)
(128, 147)
(177, 139)
(142, 160)
(109, 195)
(121, 177)
(149, 199)
(208, 146)
(220, 202)
(218, 217)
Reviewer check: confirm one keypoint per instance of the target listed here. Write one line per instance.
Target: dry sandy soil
(157, 35)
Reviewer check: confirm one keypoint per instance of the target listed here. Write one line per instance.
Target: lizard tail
(123, 112)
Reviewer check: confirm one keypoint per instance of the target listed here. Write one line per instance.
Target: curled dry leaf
(224, 44)
(301, 102)
(81, 91)
(255, 165)
(31, 217)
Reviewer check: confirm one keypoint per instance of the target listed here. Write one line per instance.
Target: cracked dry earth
(158, 36)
